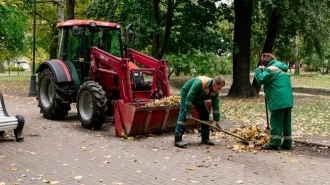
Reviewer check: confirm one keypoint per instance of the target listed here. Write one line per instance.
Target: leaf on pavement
(193, 168)
(239, 182)
(54, 182)
(82, 149)
(77, 177)
(193, 181)
(14, 169)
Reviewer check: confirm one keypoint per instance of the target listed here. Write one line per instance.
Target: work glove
(218, 125)
(262, 67)
(189, 116)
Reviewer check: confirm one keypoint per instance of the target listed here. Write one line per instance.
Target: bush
(196, 63)
(13, 68)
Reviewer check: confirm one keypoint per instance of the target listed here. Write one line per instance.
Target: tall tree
(241, 86)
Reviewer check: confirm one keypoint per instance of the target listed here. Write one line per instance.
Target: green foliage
(193, 24)
(306, 19)
(197, 63)
(13, 28)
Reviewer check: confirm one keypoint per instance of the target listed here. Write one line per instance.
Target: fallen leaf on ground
(77, 177)
(14, 169)
(209, 158)
(193, 168)
(117, 183)
(54, 182)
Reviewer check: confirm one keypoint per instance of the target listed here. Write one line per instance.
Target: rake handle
(229, 133)
(267, 127)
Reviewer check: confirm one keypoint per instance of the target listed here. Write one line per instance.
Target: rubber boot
(179, 142)
(207, 142)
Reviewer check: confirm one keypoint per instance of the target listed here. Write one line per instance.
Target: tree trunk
(296, 61)
(269, 43)
(54, 45)
(55, 33)
(69, 9)
(155, 40)
(8, 65)
(60, 10)
(168, 27)
(241, 86)
(2, 68)
(272, 32)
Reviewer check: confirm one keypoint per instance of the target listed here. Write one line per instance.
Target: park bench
(10, 122)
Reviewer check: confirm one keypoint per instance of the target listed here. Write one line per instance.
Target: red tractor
(96, 70)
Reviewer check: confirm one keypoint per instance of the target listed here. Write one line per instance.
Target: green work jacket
(199, 89)
(277, 85)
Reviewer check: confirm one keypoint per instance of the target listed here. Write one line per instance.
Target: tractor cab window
(72, 44)
(108, 40)
(77, 41)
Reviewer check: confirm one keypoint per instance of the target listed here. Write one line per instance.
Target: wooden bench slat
(7, 119)
(10, 122)
(3, 128)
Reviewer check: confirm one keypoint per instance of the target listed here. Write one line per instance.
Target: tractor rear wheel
(51, 96)
(91, 105)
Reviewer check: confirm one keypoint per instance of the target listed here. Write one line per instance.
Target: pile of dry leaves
(167, 101)
(256, 136)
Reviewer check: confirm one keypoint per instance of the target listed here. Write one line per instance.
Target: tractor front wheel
(91, 105)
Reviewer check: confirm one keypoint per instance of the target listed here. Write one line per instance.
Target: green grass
(310, 115)
(14, 84)
(312, 81)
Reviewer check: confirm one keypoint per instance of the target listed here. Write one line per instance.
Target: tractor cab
(77, 38)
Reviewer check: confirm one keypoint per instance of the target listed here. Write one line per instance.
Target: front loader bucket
(133, 119)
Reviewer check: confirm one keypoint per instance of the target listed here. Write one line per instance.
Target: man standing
(279, 97)
(195, 92)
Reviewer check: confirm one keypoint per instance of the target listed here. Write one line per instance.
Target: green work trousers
(203, 114)
(280, 125)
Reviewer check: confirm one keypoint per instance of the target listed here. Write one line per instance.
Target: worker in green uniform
(279, 97)
(195, 92)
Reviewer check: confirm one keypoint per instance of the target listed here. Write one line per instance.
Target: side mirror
(129, 35)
